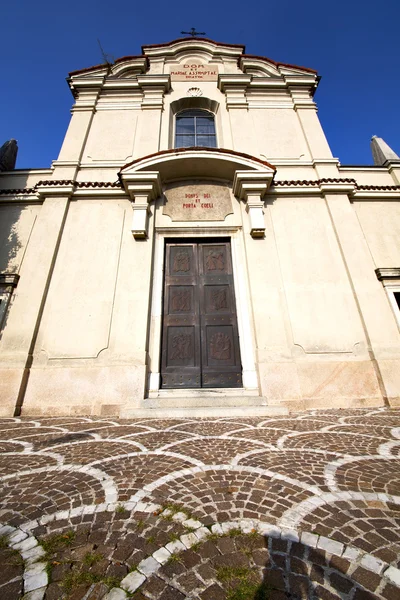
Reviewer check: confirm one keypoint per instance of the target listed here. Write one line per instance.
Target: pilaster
(376, 316)
(86, 92)
(19, 337)
(235, 87)
(393, 167)
(153, 87)
(301, 90)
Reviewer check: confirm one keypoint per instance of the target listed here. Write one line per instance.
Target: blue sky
(353, 45)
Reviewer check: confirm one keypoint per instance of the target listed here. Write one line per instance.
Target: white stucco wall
(315, 324)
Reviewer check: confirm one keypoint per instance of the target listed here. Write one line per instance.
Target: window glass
(186, 125)
(397, 298)
(208, 141)
(185, 141)
(195, 128)
(205, 125)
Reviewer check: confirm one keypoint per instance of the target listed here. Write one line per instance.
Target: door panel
(200, 346)
(220, 353)
(180, 361)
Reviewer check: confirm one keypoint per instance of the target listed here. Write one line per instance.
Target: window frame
(8, 282)
(390, 279)
(207, 113)
(194, 103)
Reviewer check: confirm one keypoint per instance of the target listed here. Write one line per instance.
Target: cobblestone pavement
(291, 507)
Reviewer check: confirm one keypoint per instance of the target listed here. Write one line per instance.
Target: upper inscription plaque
(198, 202)
(194, 71)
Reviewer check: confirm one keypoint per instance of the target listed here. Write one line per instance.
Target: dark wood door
(200, 343)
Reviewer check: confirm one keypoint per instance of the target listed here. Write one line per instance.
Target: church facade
(196, 248)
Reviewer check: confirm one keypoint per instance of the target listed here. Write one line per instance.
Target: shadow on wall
(11, 249)
(10, 243)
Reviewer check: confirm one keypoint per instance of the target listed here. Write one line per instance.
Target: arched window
(195, 128)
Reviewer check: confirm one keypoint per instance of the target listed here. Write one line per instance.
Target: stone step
(220, 409)
(202, 401)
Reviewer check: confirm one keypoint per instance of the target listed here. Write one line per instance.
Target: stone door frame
(242, 293)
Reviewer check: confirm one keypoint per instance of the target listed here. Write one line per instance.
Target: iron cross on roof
(193, 32)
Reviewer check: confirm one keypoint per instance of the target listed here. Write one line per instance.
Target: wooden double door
(200, 342)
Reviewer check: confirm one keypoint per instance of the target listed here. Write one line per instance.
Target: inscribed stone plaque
(194, 71)
(198, 202)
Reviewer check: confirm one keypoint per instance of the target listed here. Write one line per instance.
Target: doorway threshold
(203, 393)
(204, 403)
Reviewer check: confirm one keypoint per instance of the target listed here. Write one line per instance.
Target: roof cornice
(250, 60)
(293, 74)
(176, 45)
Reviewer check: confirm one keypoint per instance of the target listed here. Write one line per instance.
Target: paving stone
(11, 591)
(373, 564)
(148, 566)
(340, 583)
(390, 592)
(35, 594)
(175, 546)
(115, 594)
(97, 592)
(325, 594)
(154, 587)
(214, 592)
(171, 593)
(330, 546)
(326, 514)
(363, 595)
(366, 578)
(393, 574)
(132, 581)
(189, 540)
(33, 582)
(162, 555)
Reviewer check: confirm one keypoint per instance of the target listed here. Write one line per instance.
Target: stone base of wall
(10, 383)
(98, 391)
(323, 384)
(113, 390)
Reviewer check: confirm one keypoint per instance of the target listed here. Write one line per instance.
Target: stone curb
(35, 579)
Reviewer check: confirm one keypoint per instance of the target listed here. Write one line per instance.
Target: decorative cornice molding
(238, 80)
(311, 182)
(9, 279)
(379, 187)
(59, 187)
(317, 185)
(24, 191)
(182, 151)
(388, 274)
(343, 185)
(251, 58)
(142, 183)
(247, 184)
